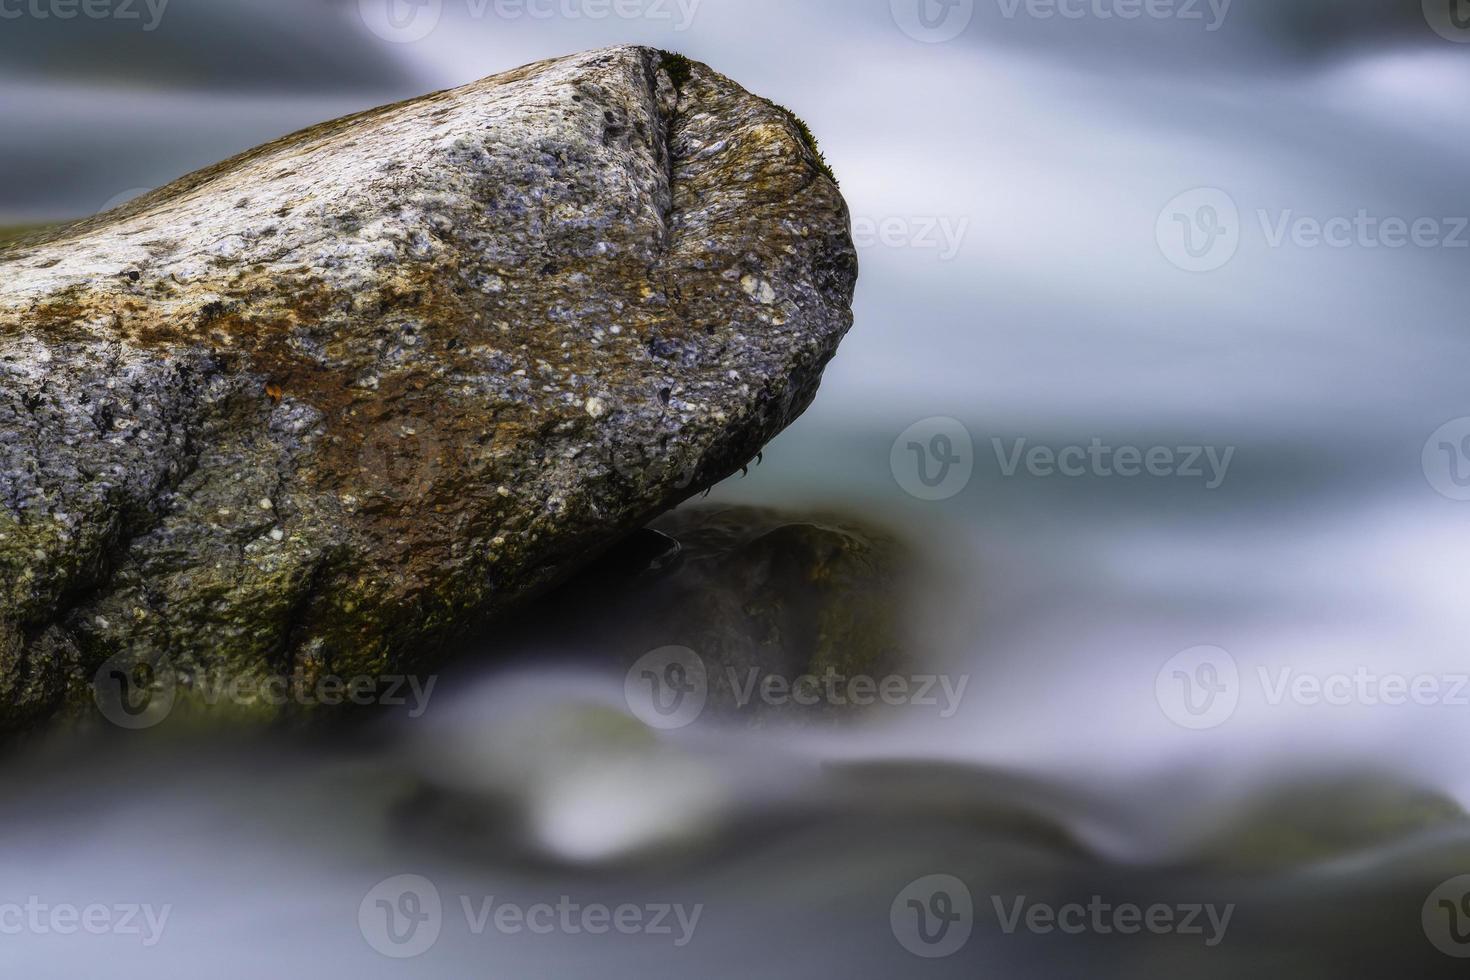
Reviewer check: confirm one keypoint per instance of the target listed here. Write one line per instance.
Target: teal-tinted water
(1234, 681)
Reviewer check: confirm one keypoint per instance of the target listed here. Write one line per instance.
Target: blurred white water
(1050, 149)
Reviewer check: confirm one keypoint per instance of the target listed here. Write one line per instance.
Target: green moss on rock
(1318, 820)
(810, 139)
(680, 69)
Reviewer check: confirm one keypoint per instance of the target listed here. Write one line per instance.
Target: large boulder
(317, 409)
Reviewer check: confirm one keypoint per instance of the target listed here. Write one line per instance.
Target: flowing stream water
(1239, 687)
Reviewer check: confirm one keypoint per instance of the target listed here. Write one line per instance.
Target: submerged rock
(313, 411)
(785, 611)
(1319, 820)
(783, 615)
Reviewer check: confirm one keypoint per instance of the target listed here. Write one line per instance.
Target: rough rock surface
(314, 410)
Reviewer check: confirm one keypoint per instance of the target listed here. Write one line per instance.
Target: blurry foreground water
(1248, 696)
(1062, 777)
